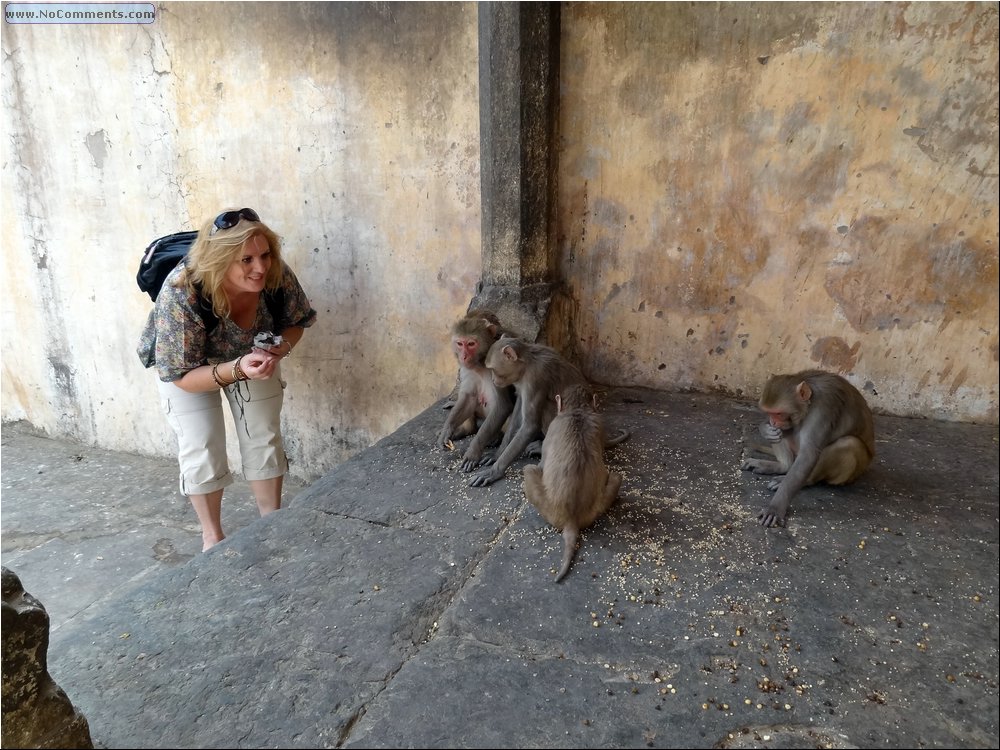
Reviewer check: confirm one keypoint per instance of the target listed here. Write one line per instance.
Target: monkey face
(779, 419)
(467, 350)
(504, 364)
(506, 373)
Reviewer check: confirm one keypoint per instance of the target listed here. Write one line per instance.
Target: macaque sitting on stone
(819, 428)
(481, 408)
(572, 487)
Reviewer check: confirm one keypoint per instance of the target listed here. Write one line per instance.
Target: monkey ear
(509, 353)
(491, 329)
(558, 404)
(804, 392)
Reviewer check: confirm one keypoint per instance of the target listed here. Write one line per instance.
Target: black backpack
(159, 259)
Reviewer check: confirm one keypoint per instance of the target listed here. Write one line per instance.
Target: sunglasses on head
(230, 219)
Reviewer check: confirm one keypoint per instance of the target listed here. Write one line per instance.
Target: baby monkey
(820, 429)
(572, 487)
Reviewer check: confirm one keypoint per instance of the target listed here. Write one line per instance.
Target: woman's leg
(197, 420)
(256, 408)
(209, 511)
(267, 493)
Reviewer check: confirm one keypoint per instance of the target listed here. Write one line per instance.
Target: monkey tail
(571, 536)
(620, 436)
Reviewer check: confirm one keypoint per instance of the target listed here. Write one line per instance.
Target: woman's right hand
(258, 365)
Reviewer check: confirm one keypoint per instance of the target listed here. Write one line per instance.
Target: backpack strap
(208, 316)
(275, 301)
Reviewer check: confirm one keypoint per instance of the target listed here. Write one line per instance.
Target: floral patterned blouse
(174, 338)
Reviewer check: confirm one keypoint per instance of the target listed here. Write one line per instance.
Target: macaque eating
(478, 399)
(819, 428)
(572, 487)
(538, 373)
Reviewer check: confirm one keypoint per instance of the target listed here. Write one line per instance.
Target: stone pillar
(36, 712)
(518, 115)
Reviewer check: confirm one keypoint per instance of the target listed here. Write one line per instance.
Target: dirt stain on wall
(894, 281)
(833, 353)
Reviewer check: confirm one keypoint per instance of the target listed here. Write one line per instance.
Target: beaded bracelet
(238, 373)
(215, 376)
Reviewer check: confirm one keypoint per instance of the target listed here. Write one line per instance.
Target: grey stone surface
(391, 605)
(80, 524)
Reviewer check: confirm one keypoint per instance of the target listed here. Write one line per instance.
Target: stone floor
(392, 605)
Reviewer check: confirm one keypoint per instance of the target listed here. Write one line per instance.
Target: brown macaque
(538, 373)
(820, 430)
(478, 398)
(572, 487)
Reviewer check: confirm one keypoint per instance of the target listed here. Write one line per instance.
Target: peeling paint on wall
(97, 145)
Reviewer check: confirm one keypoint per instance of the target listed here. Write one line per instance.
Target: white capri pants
(199, 423)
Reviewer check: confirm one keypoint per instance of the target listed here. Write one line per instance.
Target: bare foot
(207, 542)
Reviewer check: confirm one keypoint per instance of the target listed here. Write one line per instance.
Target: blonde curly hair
(213, 252)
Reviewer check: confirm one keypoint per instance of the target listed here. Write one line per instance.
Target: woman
(235, 268)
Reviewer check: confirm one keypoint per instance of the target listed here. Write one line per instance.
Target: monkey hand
(444, 440)
(486, 477)
(486, 460)
(771, 433)
(471, 458)
(762, 466)
(468, 464)
(773, 514)
(534, 449)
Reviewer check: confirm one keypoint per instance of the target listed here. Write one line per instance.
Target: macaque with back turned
(478, 400)
(572, 487)
(819, 428)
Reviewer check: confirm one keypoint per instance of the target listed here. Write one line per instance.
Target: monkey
(478, 398)
(572, 487)
(538, 373)
(820, 429)
(481, 323)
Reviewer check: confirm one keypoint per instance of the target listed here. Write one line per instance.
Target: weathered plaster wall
(744, 189)
(752, 188)
(352, 128)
